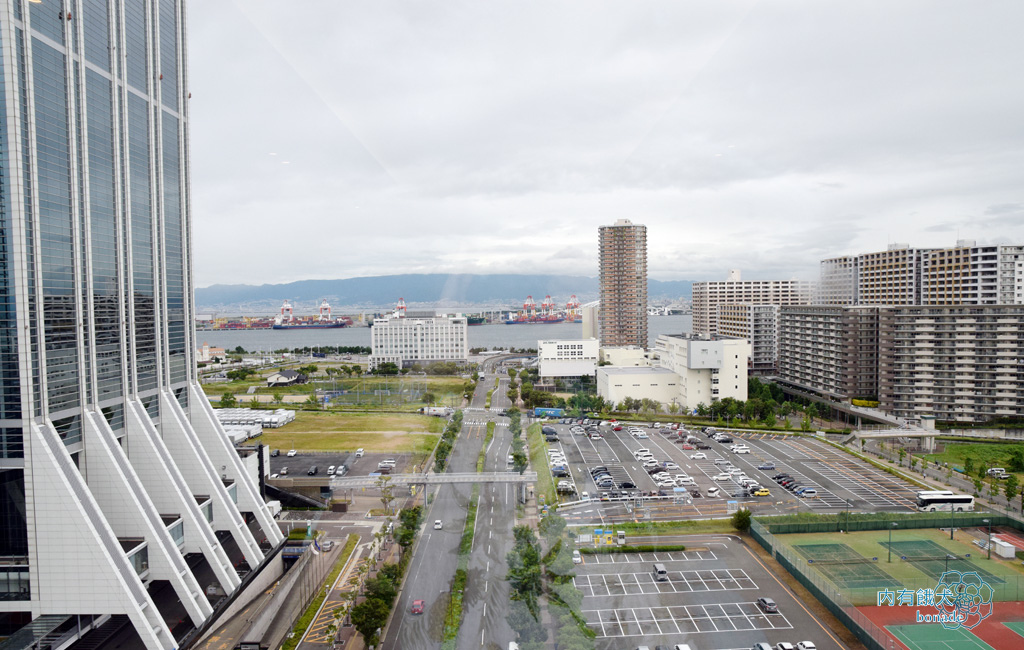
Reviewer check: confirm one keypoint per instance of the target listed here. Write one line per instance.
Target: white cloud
(497, 137)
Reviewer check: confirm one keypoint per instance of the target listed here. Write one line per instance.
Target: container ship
(286, 320)
(546, 314)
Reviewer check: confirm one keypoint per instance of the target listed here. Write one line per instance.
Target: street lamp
(989, 522)
(894, 525)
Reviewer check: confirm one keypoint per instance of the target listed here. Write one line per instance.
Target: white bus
(932, 501)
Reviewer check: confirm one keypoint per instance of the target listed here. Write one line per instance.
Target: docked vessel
(475, 320)
(287, 320)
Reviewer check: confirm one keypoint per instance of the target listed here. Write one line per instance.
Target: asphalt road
(485, 601)
(435, 557)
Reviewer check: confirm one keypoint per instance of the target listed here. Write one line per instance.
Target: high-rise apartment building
(117, 482)
(966, 274)
(623, 278)
(758, 324)
(957, 363)
(709, 296)
(830, 350)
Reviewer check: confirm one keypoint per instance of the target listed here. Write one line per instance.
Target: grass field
(539, 461)
(861, 582)
(989, 454)
(326, 431)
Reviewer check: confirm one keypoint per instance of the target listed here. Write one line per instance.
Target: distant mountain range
(424, 290)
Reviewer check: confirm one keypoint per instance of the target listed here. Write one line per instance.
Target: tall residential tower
(116, 480)
(623, 275)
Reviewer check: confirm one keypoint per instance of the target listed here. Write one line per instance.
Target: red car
(687, 446)
(617, 427)
(417, 607)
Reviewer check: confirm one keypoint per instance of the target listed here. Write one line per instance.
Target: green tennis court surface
(845, 567)
(928, 557)
(1016, 627)
(930, 636)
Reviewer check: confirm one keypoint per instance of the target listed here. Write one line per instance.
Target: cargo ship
(475, 320)
(286, 320)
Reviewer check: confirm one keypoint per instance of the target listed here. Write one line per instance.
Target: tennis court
(936, 637)
(931, 559)
(845, 567)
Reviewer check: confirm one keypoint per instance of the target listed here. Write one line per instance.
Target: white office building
(117, 482)
(568, 358)
(686, 371)
(419, 338)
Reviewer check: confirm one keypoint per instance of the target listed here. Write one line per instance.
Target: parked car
(283, 471)
(723, 477)
(627, 485)
(783, 645)
(769, 606)
(576, 558)
(806, 645)
(330, 470)
(714, 492)
(766, 466)
(275, 453)
(291, 452)
(761, 492)
(700, 455)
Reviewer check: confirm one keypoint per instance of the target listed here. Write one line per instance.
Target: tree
(1011, 488)
(369, 616)
(1016, 462)
(227, 400)
(968, 464)
(741, 519)
(913, 462)
(278, 397)
(312, 401)
(902, 455)
(978, 483)
(254, 402)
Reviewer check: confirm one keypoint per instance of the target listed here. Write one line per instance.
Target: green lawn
(329, 431)
(539, 461)
(989, 454)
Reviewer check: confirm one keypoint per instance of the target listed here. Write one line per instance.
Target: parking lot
(840, 480)
(709, 600)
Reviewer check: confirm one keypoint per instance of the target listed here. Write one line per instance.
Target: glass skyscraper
(113, 468)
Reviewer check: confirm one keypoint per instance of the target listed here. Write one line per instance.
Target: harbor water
(480, 336)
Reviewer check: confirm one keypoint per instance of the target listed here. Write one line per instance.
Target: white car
(700, 455)
(806, 645)
(641, 436)
(736, 471)
(291, 452)
(686, 482)
(723, 477)
(648, 464)
(437, 524)
(670, 465)
(713, 492)
(742, 450)
(576, 558)
(642, 450)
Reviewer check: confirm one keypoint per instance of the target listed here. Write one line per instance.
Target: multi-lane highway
(436, 553)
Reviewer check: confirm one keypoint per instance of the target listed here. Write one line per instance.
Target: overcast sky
(339, 139)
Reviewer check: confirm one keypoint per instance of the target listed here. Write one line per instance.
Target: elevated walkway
(435, 479)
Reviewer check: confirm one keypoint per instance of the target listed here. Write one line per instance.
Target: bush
(741, 519)
(642, 548)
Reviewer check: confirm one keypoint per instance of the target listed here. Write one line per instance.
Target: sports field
(862, 564)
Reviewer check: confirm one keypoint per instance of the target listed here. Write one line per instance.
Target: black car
(627, 484)
(275, 453)
(656, 470)
(702, 445)
(793, 487)
(779, 475)
(695, 494)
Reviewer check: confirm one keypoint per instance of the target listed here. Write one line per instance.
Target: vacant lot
(327, 431)
(987, 454)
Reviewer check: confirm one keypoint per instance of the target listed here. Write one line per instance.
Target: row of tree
(447, 442)
(381, 590)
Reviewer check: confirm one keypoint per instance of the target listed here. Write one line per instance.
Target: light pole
(952, 511)
(989, 522)
(894, 525)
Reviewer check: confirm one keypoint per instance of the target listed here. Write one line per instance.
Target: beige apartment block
(758, 324)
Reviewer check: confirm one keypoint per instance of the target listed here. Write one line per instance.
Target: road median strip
(453, 613)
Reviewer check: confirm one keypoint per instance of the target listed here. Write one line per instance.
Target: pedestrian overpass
(434, 479)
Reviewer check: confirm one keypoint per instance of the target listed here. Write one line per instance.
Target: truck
(439, 411)
(548, 412)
